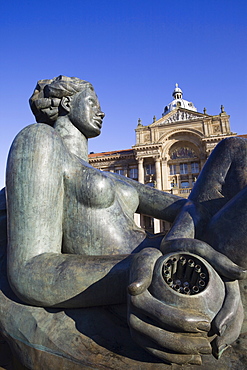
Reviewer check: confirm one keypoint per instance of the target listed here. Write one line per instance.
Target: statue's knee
(235, 142)
(237, 146)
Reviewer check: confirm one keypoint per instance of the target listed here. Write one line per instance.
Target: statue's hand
(174, 335)
(228, 322)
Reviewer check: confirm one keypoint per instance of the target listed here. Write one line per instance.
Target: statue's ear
(65, 103)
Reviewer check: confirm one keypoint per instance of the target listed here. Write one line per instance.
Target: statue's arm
(154, 202)
(37, 270)
(159, 204)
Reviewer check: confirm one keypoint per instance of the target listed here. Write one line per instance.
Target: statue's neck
(75, 141)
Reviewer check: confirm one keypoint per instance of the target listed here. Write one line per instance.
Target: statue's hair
(45, 101)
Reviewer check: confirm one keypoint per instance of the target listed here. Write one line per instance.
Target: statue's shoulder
(36, 129)
(37, 135)
(35, 149)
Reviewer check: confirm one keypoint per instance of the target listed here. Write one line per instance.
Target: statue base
(90, 338)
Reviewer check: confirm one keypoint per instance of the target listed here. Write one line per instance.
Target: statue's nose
(101, 114)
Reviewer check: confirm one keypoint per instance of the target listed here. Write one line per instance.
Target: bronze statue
(73, 243)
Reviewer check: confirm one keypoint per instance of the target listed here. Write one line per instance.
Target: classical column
(165, 183)
(140, 170)
(137, 219)
(158, 174)
(157, 227)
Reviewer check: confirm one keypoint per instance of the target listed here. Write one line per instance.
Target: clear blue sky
(132, 51)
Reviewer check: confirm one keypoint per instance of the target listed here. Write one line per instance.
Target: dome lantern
(177, 93)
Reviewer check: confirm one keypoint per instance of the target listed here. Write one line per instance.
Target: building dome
(178, 102)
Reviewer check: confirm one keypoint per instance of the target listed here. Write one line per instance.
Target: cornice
(218, 137)
(141, 147)
(111, 157)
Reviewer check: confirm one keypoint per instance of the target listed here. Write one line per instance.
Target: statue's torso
(98, 212)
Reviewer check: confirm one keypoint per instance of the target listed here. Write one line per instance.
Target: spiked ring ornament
(189, 282)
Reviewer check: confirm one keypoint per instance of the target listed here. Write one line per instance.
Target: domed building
(170, 152)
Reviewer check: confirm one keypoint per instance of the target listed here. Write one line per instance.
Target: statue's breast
(90, 187)
(97, 189)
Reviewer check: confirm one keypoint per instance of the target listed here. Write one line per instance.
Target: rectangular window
(194, 167)
(173, 170)
(149, 168)
(185, 184)
(133, 173)
(183, 168)
(119, 171)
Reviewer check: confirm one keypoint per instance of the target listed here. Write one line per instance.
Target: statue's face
(86, 114)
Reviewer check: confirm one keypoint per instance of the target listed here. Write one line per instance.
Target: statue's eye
(91, 102)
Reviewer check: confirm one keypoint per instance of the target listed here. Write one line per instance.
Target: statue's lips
(98, 121)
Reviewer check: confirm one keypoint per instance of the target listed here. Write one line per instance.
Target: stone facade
(170, 152)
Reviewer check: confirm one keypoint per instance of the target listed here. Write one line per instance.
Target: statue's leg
(227, 230)
(222, 189)
(223, 175)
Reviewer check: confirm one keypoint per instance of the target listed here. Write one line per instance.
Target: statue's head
(70, 96)
(47, 100)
